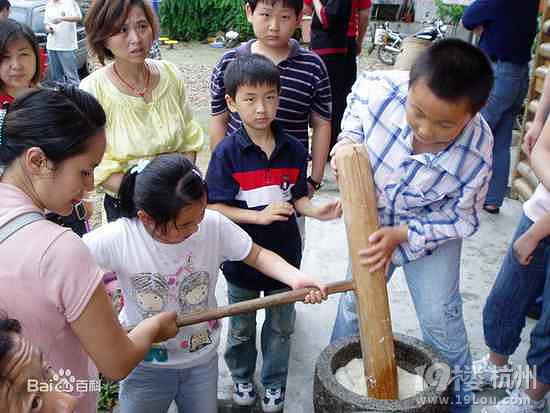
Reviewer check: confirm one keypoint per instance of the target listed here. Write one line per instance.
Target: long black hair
(59, 121)
(166, 185)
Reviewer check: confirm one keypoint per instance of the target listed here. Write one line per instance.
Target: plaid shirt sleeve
(456, 216)
(357, 112)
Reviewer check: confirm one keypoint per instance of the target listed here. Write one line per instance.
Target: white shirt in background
(64, 36)
(538, 205)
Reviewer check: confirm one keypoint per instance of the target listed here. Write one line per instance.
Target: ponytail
(162, 189)
(128, 207)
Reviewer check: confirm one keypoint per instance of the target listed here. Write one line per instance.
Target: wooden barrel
(412, 47)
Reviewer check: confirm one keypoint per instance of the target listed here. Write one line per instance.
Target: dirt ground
(196, 60)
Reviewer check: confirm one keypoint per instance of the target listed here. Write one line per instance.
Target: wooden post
(361, 217)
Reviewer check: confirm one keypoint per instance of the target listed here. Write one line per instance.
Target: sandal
(491, 209)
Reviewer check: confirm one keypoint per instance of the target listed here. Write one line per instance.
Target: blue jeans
(149, 389)
(241, 353)
(63, 66)
(434, 282)
(500, 112)
(516, 289)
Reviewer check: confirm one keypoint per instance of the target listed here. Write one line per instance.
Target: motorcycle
(390, 43)
(435, 31)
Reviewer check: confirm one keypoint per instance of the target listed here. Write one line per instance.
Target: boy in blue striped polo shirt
(305, 86)
(257, 178)
(431, 155)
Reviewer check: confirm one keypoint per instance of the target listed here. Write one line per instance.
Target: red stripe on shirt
(331, 50)
(265, 177)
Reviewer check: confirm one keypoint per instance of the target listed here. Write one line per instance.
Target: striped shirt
(305, 88)
(438, 195)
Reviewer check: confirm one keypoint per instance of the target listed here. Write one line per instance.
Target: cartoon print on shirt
(193, 292)
(151, 293)
(193, 296)
(199, 341)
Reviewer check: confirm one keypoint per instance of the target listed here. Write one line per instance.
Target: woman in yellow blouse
(145, 100)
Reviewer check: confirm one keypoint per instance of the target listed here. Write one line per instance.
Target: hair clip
(140, 166)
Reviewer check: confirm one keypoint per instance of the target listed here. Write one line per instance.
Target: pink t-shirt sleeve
(70, 275)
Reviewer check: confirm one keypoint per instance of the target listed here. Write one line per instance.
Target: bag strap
(17, 223)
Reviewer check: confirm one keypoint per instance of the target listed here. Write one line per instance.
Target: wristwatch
(316, 185)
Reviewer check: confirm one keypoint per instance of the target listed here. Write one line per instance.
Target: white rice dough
(352, 377)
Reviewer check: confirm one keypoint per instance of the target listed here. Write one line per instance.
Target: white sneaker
(274, 400)
(516, 402)
(487, 374)
(244, 394)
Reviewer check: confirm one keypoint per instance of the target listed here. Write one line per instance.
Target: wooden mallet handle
(258, 303)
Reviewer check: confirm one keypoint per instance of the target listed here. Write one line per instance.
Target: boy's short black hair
(297, 5)
(4, 4)
(251, 70)
(455, 70)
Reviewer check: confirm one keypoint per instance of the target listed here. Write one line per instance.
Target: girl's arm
(525, 245)
(324, 212)
(274, 266)
(114, 352)
(540, 157)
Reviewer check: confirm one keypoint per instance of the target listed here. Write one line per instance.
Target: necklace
(132, 88)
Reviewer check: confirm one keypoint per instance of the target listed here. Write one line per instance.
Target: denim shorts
(150, 389)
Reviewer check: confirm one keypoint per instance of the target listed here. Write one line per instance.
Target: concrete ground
(325, 256)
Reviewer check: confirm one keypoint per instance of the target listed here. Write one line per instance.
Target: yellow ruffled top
(140, 130)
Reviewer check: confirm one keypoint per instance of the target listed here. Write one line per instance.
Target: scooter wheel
(385, 56)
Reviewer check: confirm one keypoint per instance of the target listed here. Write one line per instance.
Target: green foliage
(108, 395)
(196, 19)
(450, 13)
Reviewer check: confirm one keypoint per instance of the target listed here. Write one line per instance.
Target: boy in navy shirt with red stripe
(257, 178)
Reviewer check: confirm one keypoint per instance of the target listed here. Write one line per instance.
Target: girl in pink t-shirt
(50, 143)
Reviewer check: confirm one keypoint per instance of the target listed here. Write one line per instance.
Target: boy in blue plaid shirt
(430, 152)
